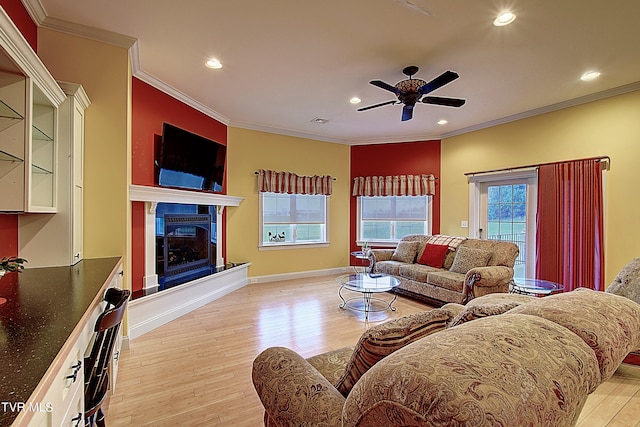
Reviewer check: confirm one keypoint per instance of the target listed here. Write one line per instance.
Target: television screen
(190, 161)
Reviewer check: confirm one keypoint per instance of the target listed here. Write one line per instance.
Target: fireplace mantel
(144, 193)
(151, 196)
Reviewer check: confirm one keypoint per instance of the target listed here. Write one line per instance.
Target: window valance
(396, 185)
(286, 182)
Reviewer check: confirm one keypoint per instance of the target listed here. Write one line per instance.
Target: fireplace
(185, 243)
(166, 201)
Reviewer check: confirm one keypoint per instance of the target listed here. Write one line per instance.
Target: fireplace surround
(181, 207)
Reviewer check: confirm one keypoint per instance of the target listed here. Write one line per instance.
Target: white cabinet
(57, 240)
(63, 401)
(29, 100)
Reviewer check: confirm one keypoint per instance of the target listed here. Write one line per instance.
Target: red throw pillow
(433, 255)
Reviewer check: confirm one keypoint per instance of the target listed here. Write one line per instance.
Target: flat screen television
(190, 161)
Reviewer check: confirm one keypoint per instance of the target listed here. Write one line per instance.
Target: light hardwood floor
(196, 370)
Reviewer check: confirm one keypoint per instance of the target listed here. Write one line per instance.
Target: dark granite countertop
(43, 307)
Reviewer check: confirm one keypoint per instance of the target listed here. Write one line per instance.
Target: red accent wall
(396, 159)
(9, 222)
(150, 108)
(19, 15)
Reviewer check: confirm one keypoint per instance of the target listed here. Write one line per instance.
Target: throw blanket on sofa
(442, 239)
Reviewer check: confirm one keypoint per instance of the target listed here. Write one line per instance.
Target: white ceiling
(286, 62)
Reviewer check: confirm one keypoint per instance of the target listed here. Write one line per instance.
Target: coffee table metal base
(366, 303)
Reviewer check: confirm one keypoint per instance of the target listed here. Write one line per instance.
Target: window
(293, 219)
(389, 218)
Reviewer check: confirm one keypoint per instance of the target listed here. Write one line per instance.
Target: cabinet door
(42, 154)
(12, 138)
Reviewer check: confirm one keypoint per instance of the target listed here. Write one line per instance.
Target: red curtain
(569, 236)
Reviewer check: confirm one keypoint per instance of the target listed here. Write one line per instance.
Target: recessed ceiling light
(442, 122)
(590, 75)
(355, 100)
(319, 121)
(505, 18)
(213, 63)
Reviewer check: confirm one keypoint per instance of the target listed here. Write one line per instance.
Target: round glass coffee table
(367, 284)
(535, 287)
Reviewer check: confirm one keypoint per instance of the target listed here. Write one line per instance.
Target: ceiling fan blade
(377, 105)
(438, 82)
(407, 112)
(447, 102)
(385, 86)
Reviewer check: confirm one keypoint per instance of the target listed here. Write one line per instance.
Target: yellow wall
(249, 151)
(608, 127)
(104, 72)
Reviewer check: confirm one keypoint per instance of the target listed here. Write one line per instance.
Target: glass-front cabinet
(29, 101)
(41, 176)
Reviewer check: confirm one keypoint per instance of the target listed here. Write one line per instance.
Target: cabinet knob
(77, 420)
(74, 375)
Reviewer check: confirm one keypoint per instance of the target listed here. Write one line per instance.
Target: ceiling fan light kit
(410, 91)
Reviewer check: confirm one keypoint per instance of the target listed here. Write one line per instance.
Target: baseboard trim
(149, 312)
(300, 275)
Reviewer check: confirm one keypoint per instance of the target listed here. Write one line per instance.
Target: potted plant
(9, 264)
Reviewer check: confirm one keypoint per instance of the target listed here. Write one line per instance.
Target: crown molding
(286, 132)
(171, 91)
(620, 90)
(26, 59)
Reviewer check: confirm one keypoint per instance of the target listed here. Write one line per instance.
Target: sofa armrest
(483, 280)
(293, 392)
(382, 254)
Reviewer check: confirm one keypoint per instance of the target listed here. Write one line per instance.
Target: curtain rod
(332, 179)
(537, 165)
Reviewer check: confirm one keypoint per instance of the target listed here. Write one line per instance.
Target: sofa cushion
(508, 370)
(607, 323)
(433, 255)
(417, 272)
(388, 267)
(446, 279)
(405, 252)
(382, 340)
(468, 258)
(331, 364)
(484, 310)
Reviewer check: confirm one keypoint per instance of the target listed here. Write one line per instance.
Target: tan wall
(249, 151)
(103, 70)
(608, 127)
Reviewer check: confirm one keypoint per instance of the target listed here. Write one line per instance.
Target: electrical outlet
(464, 224)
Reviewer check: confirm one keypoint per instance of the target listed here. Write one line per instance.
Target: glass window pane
(279, 233)
(411, 208)
(520, 212)
(309, 233)
(493, 194)
(493, 212)
(506, 230)
(505, 213)
(376, 230)
(375, 207)
(494, 229)
(404, 228)
(506, 194)
(520, 193)
(276, 207)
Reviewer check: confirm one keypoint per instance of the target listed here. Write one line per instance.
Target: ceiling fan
(412, 90)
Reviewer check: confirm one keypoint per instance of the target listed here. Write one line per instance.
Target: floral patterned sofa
(502, 359)
(441, 269)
